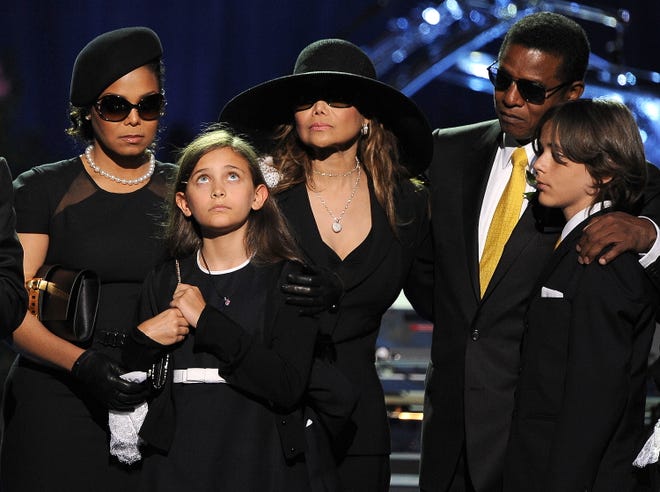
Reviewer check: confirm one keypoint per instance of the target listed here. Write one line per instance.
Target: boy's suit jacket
(579, 413)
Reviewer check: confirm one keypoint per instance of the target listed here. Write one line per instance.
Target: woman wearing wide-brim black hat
(337, 68)
(344, 147)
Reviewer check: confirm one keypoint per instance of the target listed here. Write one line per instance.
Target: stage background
(215, 49)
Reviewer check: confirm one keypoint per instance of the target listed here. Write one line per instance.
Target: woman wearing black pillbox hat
(341, 150)
(101, 211)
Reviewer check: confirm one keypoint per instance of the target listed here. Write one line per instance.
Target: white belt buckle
(194, 375)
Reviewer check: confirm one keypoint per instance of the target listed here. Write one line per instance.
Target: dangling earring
(365, 129)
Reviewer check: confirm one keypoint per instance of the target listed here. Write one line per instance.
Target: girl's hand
(189, 300)
(166, 328)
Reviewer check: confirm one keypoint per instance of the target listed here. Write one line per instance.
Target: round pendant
(336, 227)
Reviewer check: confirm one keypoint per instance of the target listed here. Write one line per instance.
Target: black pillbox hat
(109, 57)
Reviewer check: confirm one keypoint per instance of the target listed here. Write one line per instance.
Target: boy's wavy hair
(602, 135)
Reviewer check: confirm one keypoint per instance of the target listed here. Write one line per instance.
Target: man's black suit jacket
(475, 354)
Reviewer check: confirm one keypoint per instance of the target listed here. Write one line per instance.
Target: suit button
(475, 335)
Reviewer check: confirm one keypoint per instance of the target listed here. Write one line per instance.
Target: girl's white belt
(194, 375)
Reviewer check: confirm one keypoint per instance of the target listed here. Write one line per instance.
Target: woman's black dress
(55, 435)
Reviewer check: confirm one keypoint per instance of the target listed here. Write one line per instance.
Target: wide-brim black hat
(335, 67)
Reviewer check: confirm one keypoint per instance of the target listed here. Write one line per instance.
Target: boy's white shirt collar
(582, 215)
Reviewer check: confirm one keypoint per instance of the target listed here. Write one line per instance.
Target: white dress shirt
(500, 173)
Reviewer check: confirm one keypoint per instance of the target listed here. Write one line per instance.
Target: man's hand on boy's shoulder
(617, 230)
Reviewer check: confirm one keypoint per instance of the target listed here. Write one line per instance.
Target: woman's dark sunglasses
(116, 108)
(532, 92)
(333, 102)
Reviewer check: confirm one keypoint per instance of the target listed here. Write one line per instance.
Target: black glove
(100, 375)
(314, 289)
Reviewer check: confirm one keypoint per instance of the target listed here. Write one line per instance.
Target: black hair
(81, 126)
(554, 34)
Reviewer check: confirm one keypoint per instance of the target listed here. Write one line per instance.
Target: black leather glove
(314, 289)
(100, 375)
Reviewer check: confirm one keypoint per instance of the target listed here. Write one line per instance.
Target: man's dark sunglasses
(532, 92)
(116, 108)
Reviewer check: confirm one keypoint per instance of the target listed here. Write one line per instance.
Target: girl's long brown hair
(268, 239)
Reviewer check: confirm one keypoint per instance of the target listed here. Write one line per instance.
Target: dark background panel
(215, 49)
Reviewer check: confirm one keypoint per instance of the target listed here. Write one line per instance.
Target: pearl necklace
(336, 175)
(336, 221)
(129, 182)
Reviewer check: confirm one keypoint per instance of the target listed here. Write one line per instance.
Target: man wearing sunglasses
(478, 320)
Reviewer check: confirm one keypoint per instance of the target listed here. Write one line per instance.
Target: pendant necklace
(112, 177)
(336, 221)
(225, 300)
(339, 175)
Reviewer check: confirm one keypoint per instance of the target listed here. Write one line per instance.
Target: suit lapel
(557, 256)
(298, 212)
(565, 247)
(381, 241)
(521, 237)
(296, 207)
(547, 220)
(536, 219)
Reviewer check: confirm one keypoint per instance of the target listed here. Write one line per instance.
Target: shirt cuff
(647, 259)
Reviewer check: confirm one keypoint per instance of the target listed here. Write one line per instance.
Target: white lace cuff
(124, 426)
(651, 450)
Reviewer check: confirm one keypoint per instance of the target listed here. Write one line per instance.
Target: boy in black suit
(579, 412)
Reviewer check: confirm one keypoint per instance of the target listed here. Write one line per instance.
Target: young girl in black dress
(238, 358)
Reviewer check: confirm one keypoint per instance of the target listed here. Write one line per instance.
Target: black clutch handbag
(65, 301)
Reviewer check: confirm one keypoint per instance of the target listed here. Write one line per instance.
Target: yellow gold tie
(558, 242)
(505, 218)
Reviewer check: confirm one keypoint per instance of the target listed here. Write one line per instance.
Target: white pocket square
(547, 292)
